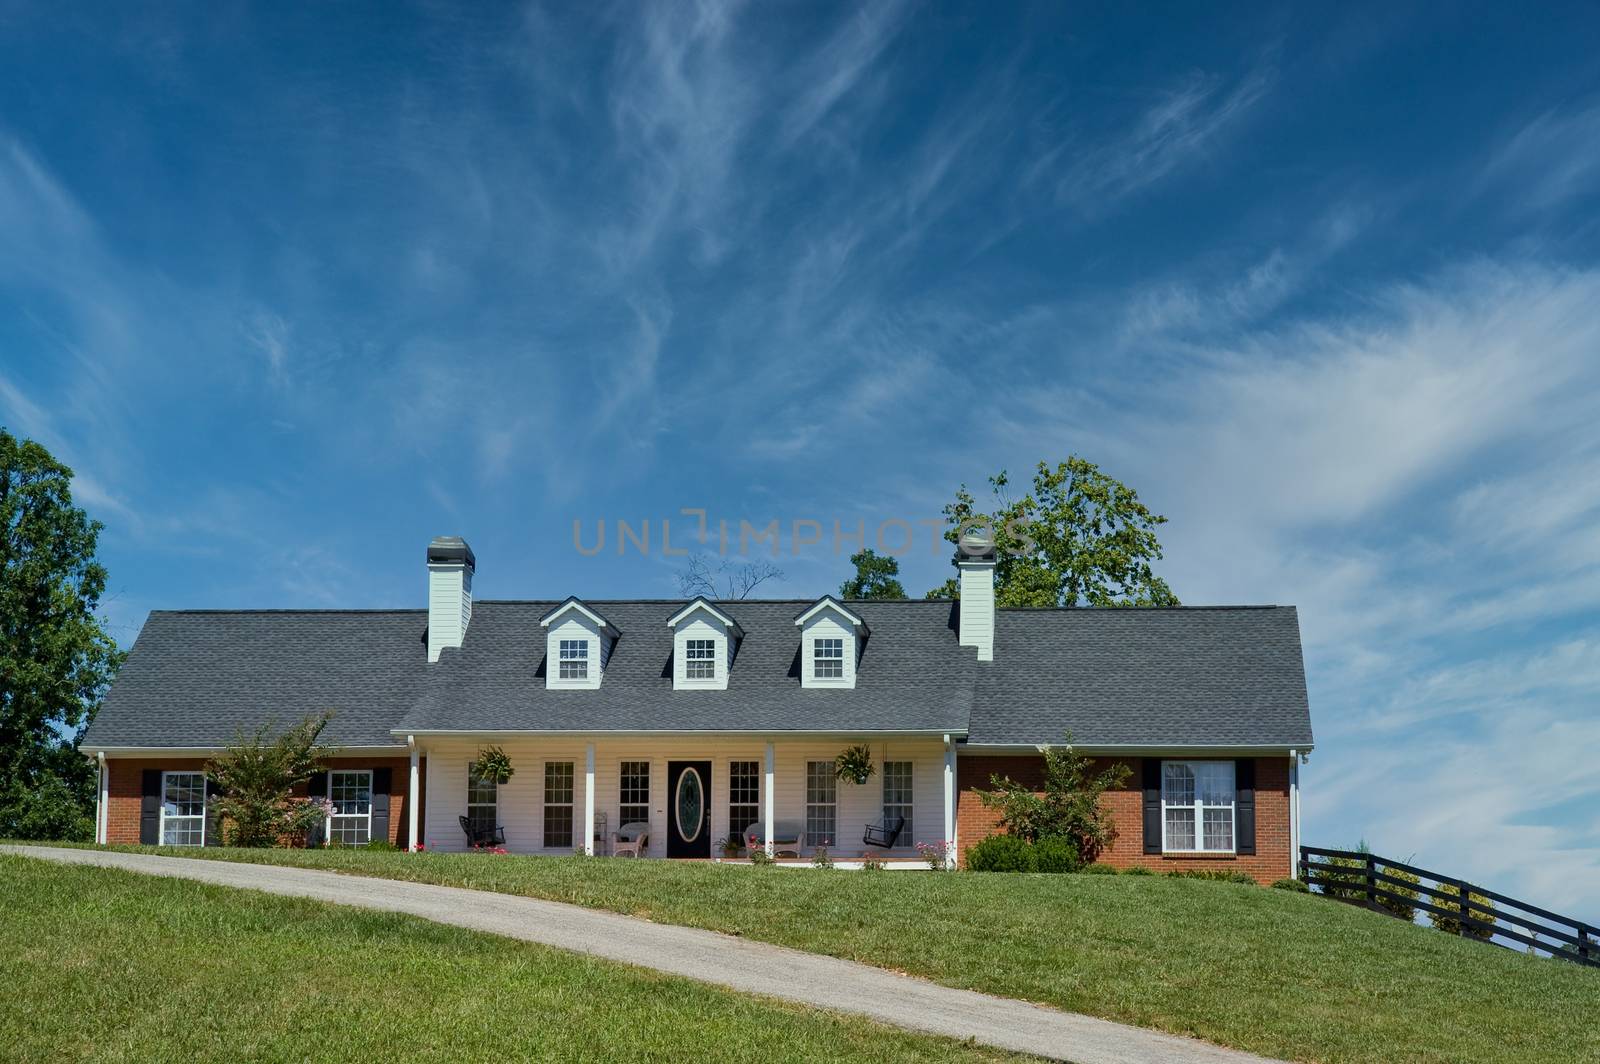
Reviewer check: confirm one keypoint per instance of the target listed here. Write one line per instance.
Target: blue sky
(294, 291)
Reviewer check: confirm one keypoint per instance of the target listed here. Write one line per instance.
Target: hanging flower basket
(493, 766)
(854, 765)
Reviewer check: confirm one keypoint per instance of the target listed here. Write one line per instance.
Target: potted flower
(492, 766)
(732, 847)
(854, 765)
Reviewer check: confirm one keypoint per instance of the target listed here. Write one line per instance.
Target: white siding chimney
(450, 567)
(975, 559)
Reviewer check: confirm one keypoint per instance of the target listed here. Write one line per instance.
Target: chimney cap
(447, 549)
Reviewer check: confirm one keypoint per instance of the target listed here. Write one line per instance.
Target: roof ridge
(1143, 609)
(294, 609)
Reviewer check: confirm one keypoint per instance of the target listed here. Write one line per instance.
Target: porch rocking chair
(884, 833)
(484, 835)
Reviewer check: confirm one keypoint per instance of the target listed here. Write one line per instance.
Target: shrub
(1405, 910)
(380, 846)
(255, 776)
(1137, 870)
(820, 858)
(1055, 855)
(936, 854)
(1001, 853)
(1213, 875)
(760, 856)
(1098, 869)
(1344, 878)
(1293, 885)
(1069, 806)
(873, 864)
(1452, 925)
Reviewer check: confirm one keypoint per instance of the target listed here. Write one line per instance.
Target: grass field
(100, 964)
(1283, 974)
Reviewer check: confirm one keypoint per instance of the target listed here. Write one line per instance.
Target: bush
(1001, 853)
(381, 846)
(1068, 806)
(1213, 875)
(1055, 855)
(1137, 870)
(1098, 869)
(1294, 885)
(1405, 910)
(873, 864)
(1452, 925)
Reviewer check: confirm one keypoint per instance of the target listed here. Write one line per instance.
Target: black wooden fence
(1365, 879)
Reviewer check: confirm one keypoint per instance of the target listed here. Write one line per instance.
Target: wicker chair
(631, 840)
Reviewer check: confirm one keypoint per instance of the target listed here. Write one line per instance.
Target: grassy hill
(100, 964)
(1288, 975)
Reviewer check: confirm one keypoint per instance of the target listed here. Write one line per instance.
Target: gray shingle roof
(1207, 676)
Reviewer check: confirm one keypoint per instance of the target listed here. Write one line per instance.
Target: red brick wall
(122, 825)
(1271, 861)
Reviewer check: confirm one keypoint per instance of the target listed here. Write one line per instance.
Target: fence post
(1462, 927)
(1372, 882)
(1583, 944)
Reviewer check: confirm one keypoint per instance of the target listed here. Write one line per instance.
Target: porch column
(588, 800)
(949, 801)
(102, 807)
(768, 818)
(412, 795)
(1294, 814)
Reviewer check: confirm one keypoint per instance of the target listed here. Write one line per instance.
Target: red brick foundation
(1271, 861)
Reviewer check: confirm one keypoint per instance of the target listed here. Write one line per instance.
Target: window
(574, 659)
(183, 808)
(351, 795)
(744, 795)
(822, 796)
(483, 798)
(558, 805)
(827, 659)
(897, 796)
(700, 659)
(1197, 806)
(635, 793)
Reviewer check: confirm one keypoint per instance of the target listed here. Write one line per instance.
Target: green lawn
(100, 964)
(1283, 974)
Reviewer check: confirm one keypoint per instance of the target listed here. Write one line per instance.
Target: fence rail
(1474, 912)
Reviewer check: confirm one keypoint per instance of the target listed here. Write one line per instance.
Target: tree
(726, 578)
(875, 577)
(56, 659)
(1080, 538)
(1068, 806)
(256, 776)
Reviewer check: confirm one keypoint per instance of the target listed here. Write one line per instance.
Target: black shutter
(213, 816)
(150, 807)
(317, 787)
(1152, 805)
(1244, 807)
(382, 781)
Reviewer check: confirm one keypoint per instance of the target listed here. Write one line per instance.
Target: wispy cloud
(1550, 160)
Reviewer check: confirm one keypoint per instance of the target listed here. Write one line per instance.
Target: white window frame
(698, 653)
(574, 653)
(561, 769)
(332, 816)
(906, 808)
(492, 806)
(628, 774)
(824, 774)
(1199, 805)
(833, 658)
(744, 782)
(165, 816)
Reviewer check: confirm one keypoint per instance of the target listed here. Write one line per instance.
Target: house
(702, 719)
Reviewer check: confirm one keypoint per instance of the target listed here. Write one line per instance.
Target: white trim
(930, 733)
(411, 795)
(829, 602)
(1177, 751)
(332, 816)
(200, 751)
(700, 602)
(770, 799)
(1294, 814)
(101, 799)
(1198, 808)
(161, 819)
(588, 800)
(950, 802)
(573, 604)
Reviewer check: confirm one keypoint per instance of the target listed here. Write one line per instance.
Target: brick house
(670, 726)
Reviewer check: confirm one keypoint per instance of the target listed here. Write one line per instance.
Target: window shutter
(1244, 807)
(317, 787)
(213, 817)
(382, 780)
(1152, 805)
(150, 807)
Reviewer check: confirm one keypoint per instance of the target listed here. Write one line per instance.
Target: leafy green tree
(56, 659)
(1079, 538)
(876, 577)
(1066, 807)
(256, 775)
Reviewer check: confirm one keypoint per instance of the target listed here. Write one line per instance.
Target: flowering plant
(760, 856)
(492, 766)
(854, 764)
(936, 854)
(820, 858)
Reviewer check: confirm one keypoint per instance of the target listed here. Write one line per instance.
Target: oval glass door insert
(691, 803)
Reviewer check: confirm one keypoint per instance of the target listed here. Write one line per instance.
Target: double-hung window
(574, 659)
(183, 808)
(700, 659)
(1197, 806)
(350, 791)
(483, 798)
(827, 659)
(558, 805)
(744, 795)
(635, 793)
(897, 797)
(822, 804)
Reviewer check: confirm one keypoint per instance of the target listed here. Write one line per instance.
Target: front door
(688, 809)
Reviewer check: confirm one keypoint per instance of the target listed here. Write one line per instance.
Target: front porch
(575, 793)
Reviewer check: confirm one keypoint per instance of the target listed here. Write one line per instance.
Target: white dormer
(830, 644)
(703, 642)
(577, 645)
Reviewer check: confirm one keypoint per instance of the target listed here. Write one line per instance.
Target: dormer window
(700, 659)
(578, 643)
(574, 659)
(828, 659)
(704, 641)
